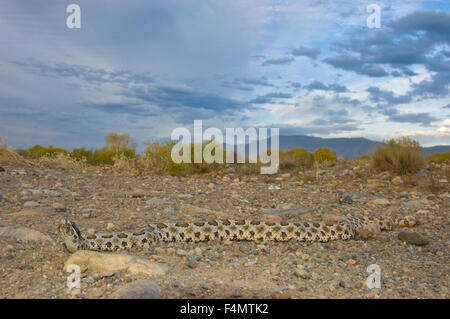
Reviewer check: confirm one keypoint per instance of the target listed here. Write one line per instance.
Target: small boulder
(413, 238)
(140, 289)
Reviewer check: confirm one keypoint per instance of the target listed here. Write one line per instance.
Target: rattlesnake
(344, 229)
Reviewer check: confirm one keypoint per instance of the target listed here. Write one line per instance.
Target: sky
(146, 67)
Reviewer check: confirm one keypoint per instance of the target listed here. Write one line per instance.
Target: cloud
(379, 95)
(270, 98)
(305, 51)
(424, 119)
(317, 85)
(404, 42)
(84, 73)
(278, 61)
(255, 81)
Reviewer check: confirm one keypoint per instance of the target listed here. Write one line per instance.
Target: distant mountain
(349, 148)
(436, 149)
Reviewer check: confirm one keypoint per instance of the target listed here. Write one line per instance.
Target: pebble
(140, 289)
(31, 204)
(413, 238)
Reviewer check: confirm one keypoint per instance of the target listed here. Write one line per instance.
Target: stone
(237, 292)
(24, 234)
(413, 238)
(369, 231)
(281, 294)
(59, 207)
(380, 201)
(31, 204)
(105, 263)
(397, 181)
(110, 226)
(140, 289)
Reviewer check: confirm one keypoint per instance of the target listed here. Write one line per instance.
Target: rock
(397, 181)
(237, 292)
(281, 294)
(31, 204)
(2, 169)
(192, 263)
(105, 263)
(413, 238)
(303, 274)
(379, 201)
(110, 226)
(24, 234)
(369, 231)
(59, 207)
(443, 181)
(347, 257)
(140, 289)
(287, 175)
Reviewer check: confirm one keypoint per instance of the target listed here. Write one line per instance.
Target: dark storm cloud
(82, 72)
(278, 61)
(317, 85)
(270, 98)
(305, 51)
(424, 119)
(407, 41)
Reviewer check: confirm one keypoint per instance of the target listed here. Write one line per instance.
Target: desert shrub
(439, 157)
(23, 152)
(9, 157)
(401, 156)
(324, 154)
(81, 154)
(34, 149)
(363, 158)
(158, 158)
(60, 160)
(49, 151)
(297, 157)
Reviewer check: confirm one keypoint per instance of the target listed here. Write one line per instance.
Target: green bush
(297, 156)
(401, 156)
(324, 154)
(439, 157)
(49, 151)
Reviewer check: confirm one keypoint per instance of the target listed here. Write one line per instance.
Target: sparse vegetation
(297, 157)
(324, 154)
(439, 157)
(400, 156)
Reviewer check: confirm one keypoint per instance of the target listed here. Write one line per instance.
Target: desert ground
(415, 265)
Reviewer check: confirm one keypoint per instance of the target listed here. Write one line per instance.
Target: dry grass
(11, 158)
(61, 160)
(402, 156)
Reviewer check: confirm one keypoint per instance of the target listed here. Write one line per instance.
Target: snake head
(70, 235)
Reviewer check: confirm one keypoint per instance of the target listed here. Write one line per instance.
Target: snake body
(220, 230)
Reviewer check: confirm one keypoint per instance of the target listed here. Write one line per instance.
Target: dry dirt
(37, 199)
